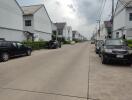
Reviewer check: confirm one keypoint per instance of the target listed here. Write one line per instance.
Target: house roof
(126, 2)
(60, 25)
(29, 10)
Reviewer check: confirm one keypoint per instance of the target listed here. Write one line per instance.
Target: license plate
(120, 56)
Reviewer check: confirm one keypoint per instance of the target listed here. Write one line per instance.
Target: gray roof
(128, 2)
(29, 10)
(60, 25)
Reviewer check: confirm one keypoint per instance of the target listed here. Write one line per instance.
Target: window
(28, 23)
(19, 45)
(117, 34)
(130, 16)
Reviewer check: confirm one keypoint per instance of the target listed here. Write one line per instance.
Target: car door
(13, 49)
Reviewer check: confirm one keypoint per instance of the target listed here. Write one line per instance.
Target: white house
(122, 26)
(69, 35)
(105, 30)
(76, 35)
(54, 31)
(62, 30)
(37, 22)
(11, 21)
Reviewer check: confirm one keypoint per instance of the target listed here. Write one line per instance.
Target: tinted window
(19, 45)
(28, 23)
(130, 16)
(114, 42)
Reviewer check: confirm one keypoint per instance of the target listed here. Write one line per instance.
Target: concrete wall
(44, 36)
(11, 20)
(28, 28)
(119, 23)
(12, 35)
(10, 15)
(42, 21)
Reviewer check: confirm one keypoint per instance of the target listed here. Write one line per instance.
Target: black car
(54, 44)
(117, 50)
(98, 46)
(9, 49)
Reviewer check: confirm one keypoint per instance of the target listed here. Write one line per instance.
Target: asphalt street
(73, 72)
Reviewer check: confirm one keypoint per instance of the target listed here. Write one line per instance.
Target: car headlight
(108, 50)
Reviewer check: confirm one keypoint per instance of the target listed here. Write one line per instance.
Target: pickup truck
(9, 49)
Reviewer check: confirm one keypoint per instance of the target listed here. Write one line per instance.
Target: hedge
(36, 45)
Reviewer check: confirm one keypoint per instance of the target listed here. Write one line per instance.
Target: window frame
(130, 16)
(28, 23)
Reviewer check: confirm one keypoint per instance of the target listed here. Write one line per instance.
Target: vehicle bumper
(125, 57)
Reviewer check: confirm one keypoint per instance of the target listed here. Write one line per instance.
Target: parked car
(117, 50)
(54, 44)
(98, 46)
(9, 49)
(92, 42)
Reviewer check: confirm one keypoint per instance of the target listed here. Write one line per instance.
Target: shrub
(67, 42)
(36, 45)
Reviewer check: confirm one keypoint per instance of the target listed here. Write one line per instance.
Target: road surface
(73, 72)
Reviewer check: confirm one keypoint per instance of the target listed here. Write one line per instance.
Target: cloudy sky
(80, 14)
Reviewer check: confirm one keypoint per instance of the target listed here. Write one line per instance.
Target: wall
(10, 15)
(43, 36)
(12, 35)
(28, 28)
(42, 21)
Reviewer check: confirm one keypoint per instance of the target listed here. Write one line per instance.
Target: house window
(28, 23)
(117, 34)
(130, 16)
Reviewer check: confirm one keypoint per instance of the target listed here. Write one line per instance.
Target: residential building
(62, 30)
(37, 22)
(76, 35)
(106, 30)
(54, 31)
(11, 21)
(69, 35)
(122, 26)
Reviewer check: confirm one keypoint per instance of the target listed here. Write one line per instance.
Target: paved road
(73, 72)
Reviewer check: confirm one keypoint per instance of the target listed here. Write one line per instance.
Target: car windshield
(114, 42)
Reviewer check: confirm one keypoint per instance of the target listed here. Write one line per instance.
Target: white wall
(10, 15)
(43, 36)
(28, 28)
(65, 32)
(42, 21)
(12, 35)
(120, 20)
(119, 23)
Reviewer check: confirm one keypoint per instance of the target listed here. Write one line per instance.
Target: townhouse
(62, 30)
(11, 21)
(105, 30)
(76, 35)
(69, 35)
(37, 22)
(122, 25)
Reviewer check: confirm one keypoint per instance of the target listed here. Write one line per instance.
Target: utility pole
(98, 21)
(112, 20)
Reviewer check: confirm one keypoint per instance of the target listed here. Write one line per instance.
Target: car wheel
(28, 53)
(5, 57)
(103, 60)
